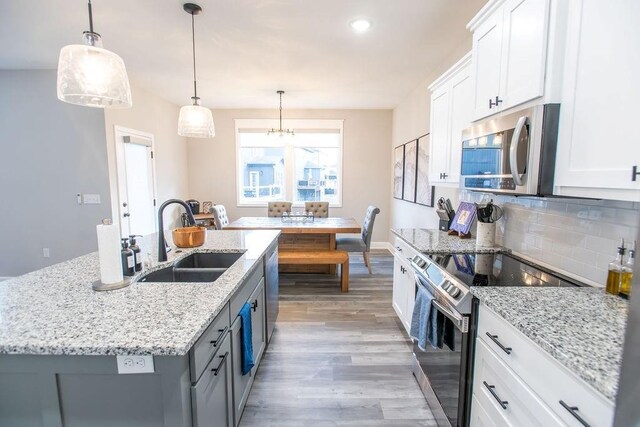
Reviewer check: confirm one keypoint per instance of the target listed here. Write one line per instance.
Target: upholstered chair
(319, 209)
(276, 209)
(220, 218)
(362, 243)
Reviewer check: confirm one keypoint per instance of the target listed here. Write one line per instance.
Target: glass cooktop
(499, 270)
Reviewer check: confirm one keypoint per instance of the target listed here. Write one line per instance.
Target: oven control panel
(456, 293)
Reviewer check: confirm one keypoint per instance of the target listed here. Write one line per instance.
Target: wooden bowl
(189, 237)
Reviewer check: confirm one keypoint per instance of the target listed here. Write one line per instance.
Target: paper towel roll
(109, 252)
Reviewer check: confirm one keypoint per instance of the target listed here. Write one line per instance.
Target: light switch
(91, 199)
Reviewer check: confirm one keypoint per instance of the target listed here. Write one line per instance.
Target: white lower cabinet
(538, 390)
(404, 284)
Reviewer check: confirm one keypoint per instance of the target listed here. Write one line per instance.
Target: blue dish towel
(424, 324)
(247, 342)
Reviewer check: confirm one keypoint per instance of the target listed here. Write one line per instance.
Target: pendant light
(281, 132)
(91, 76)
(195, 121)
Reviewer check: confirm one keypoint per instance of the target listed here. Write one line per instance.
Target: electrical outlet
(46, 253)
(91, 199)
(134, 364)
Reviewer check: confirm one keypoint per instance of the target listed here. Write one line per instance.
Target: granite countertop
(55, 310)
(439, 242)
(582, 328)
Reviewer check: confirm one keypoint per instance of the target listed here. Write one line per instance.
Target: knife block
(444, 224)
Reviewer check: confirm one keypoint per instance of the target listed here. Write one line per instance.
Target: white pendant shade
(196, 121)
(92, 76)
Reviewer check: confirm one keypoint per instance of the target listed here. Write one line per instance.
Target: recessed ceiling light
(360, 25)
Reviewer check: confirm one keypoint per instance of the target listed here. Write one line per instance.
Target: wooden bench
(320, 257)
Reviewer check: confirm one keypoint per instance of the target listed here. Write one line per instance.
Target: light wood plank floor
(338, 359)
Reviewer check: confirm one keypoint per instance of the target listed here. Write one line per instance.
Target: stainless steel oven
(445, 374)
(513, 153)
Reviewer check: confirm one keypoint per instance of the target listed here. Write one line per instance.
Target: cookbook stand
(459, 234)
(461, 224)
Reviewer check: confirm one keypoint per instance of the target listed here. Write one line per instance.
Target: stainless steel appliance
(445, 374)
(513, 153)
(272, 289)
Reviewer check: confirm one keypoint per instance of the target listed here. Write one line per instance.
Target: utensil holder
(486, 235)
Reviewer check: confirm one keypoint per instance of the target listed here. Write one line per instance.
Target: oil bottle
(627, 273)
(614, 277)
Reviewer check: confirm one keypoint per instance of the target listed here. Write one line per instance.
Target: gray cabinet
(212, 395)
(242, 383)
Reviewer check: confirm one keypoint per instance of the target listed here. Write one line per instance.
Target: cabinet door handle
(220, 335)
(634, 173)
(216, 370)
(254, 305)
(496, 103)
(444, 175)
(494, 338)
(573, 410)
(491, 388)
(399, 248)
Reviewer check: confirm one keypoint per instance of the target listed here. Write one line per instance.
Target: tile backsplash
(575, 236)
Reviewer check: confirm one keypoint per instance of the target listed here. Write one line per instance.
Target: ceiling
(247, 49)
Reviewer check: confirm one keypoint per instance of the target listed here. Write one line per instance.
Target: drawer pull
(217, 369)
(494, 338)
(254, 305)
(217, 340)
(573, 410)
(491, 388)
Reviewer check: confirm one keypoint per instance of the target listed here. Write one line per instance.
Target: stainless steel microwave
(513, 153)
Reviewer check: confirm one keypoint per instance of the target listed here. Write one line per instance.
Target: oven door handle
(460, 322)
(513, 150)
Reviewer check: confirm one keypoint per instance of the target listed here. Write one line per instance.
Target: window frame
(300, 126)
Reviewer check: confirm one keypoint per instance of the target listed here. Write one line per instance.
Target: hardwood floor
(338, 359)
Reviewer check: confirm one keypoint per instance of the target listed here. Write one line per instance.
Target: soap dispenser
(614, 276)
(128, 264)
(137, 255)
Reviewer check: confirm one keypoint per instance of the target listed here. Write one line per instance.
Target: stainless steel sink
(174, 274)
(209, 260)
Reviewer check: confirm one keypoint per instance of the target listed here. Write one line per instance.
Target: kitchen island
(59, 340)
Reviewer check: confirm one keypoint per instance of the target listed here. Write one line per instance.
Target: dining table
(310, 235)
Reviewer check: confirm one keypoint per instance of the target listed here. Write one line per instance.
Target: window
(305, 167)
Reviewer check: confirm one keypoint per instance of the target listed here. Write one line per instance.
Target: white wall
(411, 120)
(159, 117)
(366, 167)
(50, 152)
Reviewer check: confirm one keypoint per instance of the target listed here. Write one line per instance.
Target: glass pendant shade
(91, 76)
(196, 121)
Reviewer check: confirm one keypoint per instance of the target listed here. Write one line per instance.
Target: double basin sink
(197, 267)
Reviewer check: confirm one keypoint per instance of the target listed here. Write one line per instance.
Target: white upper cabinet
(509, 54)
(451, 110)
(598, 146)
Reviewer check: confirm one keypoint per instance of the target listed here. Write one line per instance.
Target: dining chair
(362, 243)
(220, 217)
(276, 209)
(319, 209)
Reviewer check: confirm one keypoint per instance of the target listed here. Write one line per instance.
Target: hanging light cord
(280, 92)
(193, 44)
(90, 18)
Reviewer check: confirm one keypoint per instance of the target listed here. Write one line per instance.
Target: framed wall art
(398, 171)
(425, 192)
(410, 171)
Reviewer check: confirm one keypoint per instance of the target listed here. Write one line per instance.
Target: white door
(439, 137)
(487, 51)
(460, 95)
(597, 141)
(136, 183)
(524, 51)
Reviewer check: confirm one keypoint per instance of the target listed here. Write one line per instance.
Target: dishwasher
(272, 289)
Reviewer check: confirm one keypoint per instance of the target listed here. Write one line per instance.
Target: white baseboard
(382, 245)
